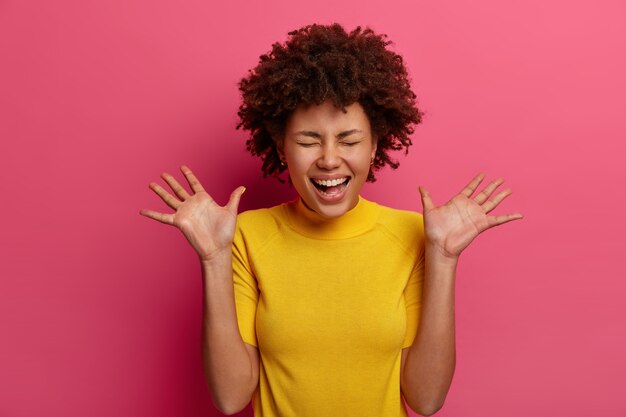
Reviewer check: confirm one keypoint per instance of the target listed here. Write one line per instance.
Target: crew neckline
(356, 221)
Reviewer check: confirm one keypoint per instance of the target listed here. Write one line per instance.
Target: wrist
(217, 257)
(217, 268)
(435, 253)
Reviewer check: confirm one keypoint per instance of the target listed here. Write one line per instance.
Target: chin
(331, 211)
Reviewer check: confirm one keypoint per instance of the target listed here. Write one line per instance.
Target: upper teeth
(331, 183)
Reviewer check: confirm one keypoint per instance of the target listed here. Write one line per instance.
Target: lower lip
(332, 198)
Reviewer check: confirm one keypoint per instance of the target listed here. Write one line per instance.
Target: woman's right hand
(209, 227)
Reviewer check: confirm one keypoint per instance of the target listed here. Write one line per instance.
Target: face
(328, 155)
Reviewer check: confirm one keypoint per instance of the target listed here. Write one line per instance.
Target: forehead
(326, 115)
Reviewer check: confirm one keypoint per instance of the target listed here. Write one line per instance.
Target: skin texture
(323, 141)
(231, 366)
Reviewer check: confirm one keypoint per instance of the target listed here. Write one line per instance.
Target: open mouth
(331, 187)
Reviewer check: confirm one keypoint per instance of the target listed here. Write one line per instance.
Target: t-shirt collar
(356, 221)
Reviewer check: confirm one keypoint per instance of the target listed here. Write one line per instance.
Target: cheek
(298, 173)
(363, 161)
(296, 164)
(301, 161)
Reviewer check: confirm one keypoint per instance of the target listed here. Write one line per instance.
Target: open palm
(454, 225)
(208, 227)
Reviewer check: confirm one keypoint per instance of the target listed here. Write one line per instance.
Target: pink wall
(100, 308)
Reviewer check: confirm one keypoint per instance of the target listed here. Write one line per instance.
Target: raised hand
(209, 227)
(452, 227)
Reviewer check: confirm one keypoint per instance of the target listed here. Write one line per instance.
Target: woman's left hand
(451, 228)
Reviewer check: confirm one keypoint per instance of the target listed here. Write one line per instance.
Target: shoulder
(400, 221)
(406, 227)
(261, 222)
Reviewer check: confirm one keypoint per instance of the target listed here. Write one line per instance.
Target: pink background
(100, 308)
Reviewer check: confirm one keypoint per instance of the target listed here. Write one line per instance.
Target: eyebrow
(314, 134)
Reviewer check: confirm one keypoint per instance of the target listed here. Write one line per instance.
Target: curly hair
(321, 62)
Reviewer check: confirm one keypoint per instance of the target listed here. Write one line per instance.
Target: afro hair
(320, 62)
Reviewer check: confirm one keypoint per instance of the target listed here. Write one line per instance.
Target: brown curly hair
(321, 62)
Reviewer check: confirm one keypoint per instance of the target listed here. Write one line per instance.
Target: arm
(231, 366)
(428, 365)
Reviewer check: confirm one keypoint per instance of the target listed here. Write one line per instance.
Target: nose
(329, 157)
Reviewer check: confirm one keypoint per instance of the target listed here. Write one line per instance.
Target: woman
(329, 305)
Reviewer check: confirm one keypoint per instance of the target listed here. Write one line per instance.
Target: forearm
(430, 362)
(227, 365)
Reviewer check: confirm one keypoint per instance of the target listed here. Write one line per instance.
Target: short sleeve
(413, 300)
(246, 290)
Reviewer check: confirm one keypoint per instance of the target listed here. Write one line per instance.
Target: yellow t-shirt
(329, 305)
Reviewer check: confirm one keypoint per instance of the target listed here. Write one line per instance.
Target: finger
(493, 203)
(165, 196)
(162, 217)
(193, 181)
(471, 187)
(427, 202)
(178, 189)
(484, 194)
(505, 218)
(233, 203)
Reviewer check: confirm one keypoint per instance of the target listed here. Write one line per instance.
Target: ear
(375, 145)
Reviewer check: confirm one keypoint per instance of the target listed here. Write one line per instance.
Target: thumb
(427, 202)
(233, 203)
